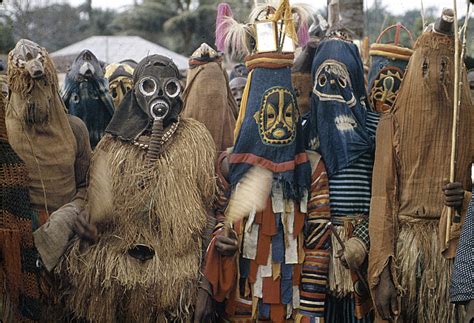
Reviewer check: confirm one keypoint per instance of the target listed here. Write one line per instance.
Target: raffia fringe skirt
(424, 274)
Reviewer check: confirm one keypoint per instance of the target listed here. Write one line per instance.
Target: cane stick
(458, 57)
(455, 114)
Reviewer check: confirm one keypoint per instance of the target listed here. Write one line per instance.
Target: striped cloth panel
(350, 188)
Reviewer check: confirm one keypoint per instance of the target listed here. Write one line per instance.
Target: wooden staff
(457, 99)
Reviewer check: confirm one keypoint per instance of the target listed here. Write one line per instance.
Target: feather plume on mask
(250, 194)
(237, 40)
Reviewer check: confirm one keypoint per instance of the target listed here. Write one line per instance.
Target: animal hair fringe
(102, 282)
(236, 39)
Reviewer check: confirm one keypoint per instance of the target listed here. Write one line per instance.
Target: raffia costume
(19, 274)
(207, 97)
(408, 218)
(86, 95)
(151, 184)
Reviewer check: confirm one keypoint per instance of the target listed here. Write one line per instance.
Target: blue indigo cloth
(385, 78)
(271, 134)
(88, 97)
(337, 128)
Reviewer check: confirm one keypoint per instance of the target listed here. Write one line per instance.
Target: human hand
(84, 229)
(453, 195)
(385, 300)
(227, 244)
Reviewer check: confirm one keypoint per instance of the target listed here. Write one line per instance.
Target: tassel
(223, 11)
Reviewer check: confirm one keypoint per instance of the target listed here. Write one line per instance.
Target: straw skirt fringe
(425, 275)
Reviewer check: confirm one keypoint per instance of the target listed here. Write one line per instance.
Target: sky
(396, 7)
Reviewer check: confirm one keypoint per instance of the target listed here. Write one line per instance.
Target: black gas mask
(154, 104)
(157, 90)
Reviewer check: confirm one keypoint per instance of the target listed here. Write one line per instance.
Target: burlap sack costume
(411, 165)
(56, 152)
(208, 98)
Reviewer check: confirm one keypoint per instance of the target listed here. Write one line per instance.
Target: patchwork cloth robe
(281, 269)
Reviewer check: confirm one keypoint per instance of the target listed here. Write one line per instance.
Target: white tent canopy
(112, 49)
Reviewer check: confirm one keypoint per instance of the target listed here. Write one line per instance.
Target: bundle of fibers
(251, 194)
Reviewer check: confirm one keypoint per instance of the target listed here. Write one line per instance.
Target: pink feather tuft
(303, 34)
(222, 27)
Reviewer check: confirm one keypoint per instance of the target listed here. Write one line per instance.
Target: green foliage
(7, 42)
(181, 25)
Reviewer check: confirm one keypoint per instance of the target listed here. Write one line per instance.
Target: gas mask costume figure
(342, 129)
(208, 97)
(151, 184)
(86, 95)
(389, 57)
(269, 273)
(54, 147)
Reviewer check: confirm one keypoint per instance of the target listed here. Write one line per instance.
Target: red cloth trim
(299, 220)
(220, 271)
(277, 313)
(258, 217)
(268, 164)
(271, 290)
(268, 222)
(253, 271)
(263, 248)
(296, 275)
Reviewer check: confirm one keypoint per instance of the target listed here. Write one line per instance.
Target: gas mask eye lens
(147, 86)
(172, 88)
